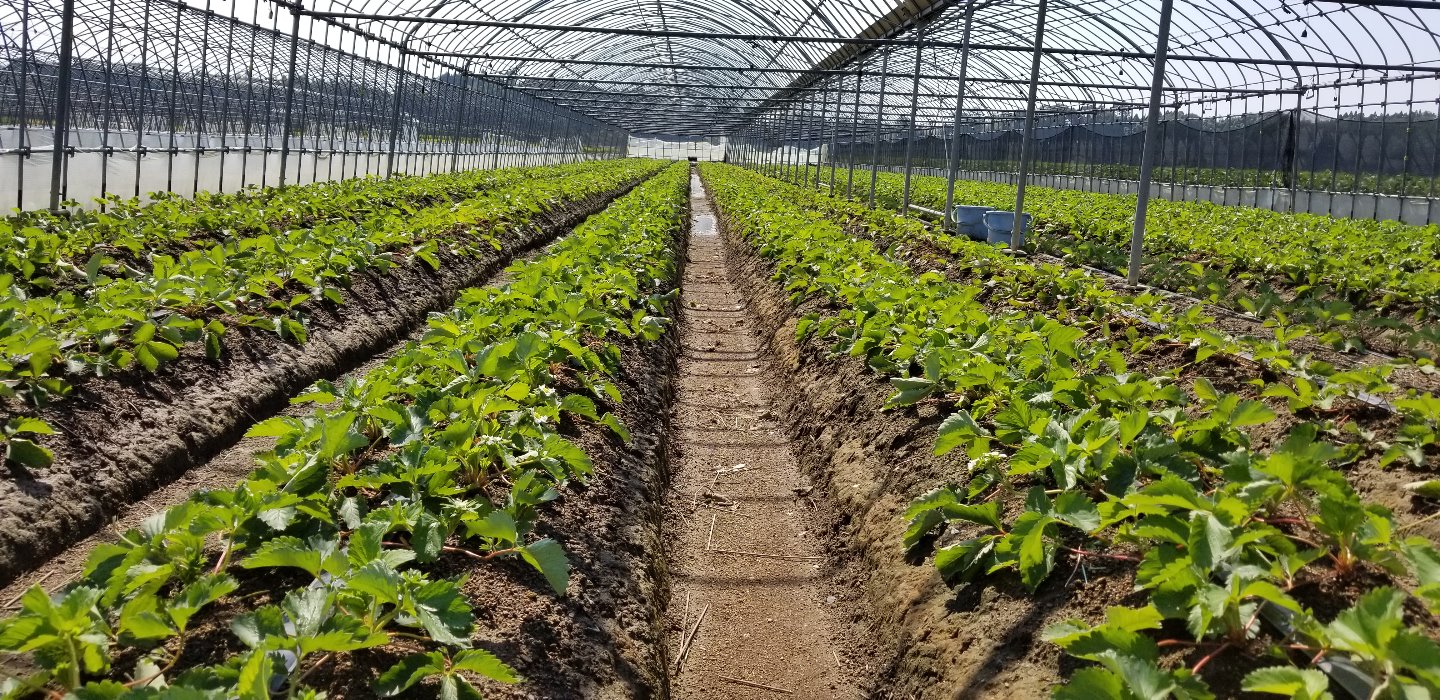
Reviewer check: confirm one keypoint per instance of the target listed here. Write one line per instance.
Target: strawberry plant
(1112, 464)
(144, 317)
(452, 447)
(1337, 289)
(49, 251)
(453, 684)
(21, 450)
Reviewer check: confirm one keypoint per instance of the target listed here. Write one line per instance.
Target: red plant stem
(1184, 643)
(1201, 663)
(224, 554)
(1284, 521)
(460, 550)
(174, 659)
(1303, 541)
(497, 553)
(318, 663)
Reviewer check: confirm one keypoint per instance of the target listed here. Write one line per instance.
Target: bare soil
(754, 611)
(122, 437)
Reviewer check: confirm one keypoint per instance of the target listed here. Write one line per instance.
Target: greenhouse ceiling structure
(1321, 105)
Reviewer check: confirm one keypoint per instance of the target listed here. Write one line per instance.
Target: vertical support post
(879, 123)
(200, 103)
(801, 166)
(541, 113)
(779, 130)
(548, 144)
(835, 129)
(500, 127)
(1152, 140)
(395, 113)
(521, 140)
(914, 112)
(529, 131)
(565, 140)
(782, 122)
(819, 135)
(460, 116)
(140, 149)
(1017, 237)
(767, 158)
(105, 115)
(290, 96)
(791, 129)
(62, 103)
(820, 129)
(24, 116)
(854, 132)
(777, 123)
(172, 149)
(807, 119)
(1292, 148)
(959, 113)
(756, 148)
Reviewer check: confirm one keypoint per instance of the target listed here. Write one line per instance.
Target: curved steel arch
(1119, 33)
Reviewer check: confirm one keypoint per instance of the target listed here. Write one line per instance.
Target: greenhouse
(893, 349)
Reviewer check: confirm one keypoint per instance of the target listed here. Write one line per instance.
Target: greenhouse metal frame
(1326, 106)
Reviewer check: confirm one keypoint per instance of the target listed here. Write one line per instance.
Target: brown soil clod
(760, 578)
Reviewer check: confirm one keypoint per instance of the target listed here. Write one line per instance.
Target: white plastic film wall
(127, 171)
(707, 149)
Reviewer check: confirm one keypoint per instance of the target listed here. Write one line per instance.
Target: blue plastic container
(970, 221)
(1001, 225)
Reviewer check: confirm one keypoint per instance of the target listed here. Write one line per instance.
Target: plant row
(1352, 278)
(1317, 315)
(449, 450)
(1318, 180)
(46, 251)
(1307, 386)
(145, 318)
(1075, 457)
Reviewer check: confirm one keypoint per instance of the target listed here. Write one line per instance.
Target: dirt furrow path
(749, 608)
